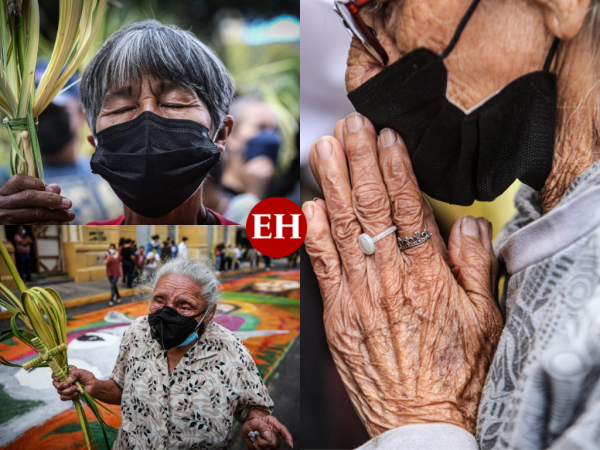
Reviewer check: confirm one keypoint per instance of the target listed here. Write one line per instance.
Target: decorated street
(262, 309)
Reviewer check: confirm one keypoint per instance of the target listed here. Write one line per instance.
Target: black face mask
(459, 157)
(154, 164)
(170, 328)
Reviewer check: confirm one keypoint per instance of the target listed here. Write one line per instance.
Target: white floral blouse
(193, 408)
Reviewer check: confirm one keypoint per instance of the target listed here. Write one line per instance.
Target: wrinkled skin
(412, 333)
(270, 429)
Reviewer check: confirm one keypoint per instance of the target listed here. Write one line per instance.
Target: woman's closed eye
(123, 110)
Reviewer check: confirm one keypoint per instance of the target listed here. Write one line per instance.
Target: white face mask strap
(214, 139)
(201, 320)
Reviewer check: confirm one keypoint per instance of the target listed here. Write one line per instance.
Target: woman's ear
(210, 314)
(91, 141)
(224, 133)
(564, 18)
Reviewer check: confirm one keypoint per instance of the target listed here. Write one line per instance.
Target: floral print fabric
(194, 407)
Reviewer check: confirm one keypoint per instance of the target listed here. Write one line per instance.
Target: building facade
(78, 251)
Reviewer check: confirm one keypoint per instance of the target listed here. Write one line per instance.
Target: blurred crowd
(127, 261)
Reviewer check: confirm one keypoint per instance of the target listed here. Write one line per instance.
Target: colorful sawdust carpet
(263, 310)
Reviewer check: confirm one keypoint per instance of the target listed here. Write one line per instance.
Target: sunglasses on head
(348, 12)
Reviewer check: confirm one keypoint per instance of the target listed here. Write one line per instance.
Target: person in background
(166, 250)
(128, 262)
(218, 257)
(252, 256)
(140, 259)
(121, 244)
(182, 249)
(113, 272)
(238, 256)
(87, 196)
(173, 249)
(23, 252)
(267, 260)
(152, 260)
(155, 244)
(229, 257)
(251, 158)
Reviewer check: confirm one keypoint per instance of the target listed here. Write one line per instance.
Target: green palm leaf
(44, 315)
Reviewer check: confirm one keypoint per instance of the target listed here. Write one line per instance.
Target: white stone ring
(367, 243)
(253, 435)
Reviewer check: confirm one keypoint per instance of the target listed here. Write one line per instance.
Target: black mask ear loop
(463, 24)
(459, 29)
(551, 54)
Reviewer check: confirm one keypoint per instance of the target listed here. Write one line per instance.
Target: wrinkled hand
(27, 200)
(270, 429)
(412, 333)
(68, 390)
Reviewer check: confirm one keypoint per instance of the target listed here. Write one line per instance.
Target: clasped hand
(412, 332)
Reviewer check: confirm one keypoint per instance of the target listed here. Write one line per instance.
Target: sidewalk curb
(128, 292)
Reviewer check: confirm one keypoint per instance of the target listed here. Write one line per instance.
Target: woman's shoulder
(227, 341)
(117, 221)
(222, 219)
(139, 327)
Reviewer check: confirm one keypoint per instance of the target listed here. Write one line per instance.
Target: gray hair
(200, 272)
(593, 24)
(150, 48)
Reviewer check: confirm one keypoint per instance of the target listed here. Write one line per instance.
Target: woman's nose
(150, 104)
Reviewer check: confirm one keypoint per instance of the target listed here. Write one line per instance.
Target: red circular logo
(276, 227)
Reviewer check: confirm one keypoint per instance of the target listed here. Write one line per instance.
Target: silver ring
(416, 239)
(253, 435)
(367, 243)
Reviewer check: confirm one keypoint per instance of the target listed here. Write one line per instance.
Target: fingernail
(48, 189)
(354, 122)
(323, 148)
(69, 380)
(308, 209)
(387, 138)
(267, 435)
(66, 202)
(469, 227)
(316, 199)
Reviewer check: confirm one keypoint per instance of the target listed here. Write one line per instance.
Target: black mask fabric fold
(460, 157)
(170, 328)
(154, 164)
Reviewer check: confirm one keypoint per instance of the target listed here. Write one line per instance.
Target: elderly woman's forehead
(131, 87)
(178, 284)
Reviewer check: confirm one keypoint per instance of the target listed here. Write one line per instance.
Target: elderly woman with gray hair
(156, 101)
(180, 378)
(458, 98)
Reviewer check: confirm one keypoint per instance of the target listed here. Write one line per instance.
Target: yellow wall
(84, 261)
